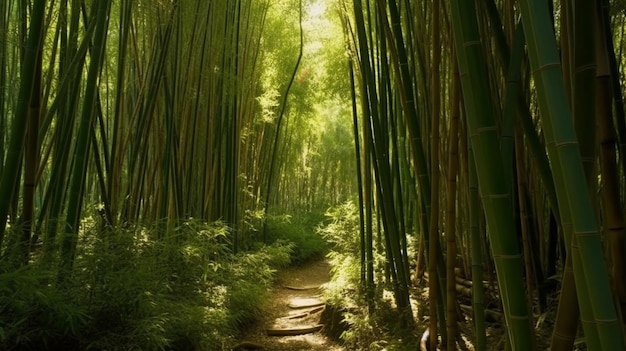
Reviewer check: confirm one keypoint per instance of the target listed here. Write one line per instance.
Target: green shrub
(32, 313)
(342, 228)
(368, 330)
(250, 276)
(307, 243)
(129, 291)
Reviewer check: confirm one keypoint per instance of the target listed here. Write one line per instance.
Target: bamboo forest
(312, 175)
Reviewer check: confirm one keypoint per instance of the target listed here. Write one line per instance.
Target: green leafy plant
(32, 313)
(376, 329)
(307, 242)
(343, 228)
(187, 291)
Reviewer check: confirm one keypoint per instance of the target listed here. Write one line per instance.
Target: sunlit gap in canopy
(317, 9)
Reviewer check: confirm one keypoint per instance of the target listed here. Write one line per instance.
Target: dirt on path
(295, 304)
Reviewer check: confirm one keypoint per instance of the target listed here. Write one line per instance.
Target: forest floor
(285, 312)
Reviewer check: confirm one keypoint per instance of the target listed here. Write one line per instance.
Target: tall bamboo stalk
(591, 274)
(435, 181)
(495, 194)
(451, 203)
(281, 114)
(78, 177)
(11, 170)
(613, 213)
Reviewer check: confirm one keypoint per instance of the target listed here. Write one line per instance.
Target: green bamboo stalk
(389, 125)
(616, 84)
(5, 21)
(514, 106)
(390, 224)
(584, 79)
(451, 203)
(399, 58)
(433, 229)
(583, 75)
(407, 97)
(397, 181)
(591, 274)
(212, 146)
(567, 315)
(565, 45)
(114, 168)
(513, 92)
(378, 142)
(196, 26)
(168, 172)
(140, 157)
(283, 108)
(522, 191)
(11, 169)
(78, 177)
(232, 150)
(364, 246)
(71, 60)
(368, 198)
(476, 239)
(615, 224)
(365, 249)
(31, 159)
(493, 189)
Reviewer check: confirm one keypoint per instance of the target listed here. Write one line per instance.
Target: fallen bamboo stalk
(304, 303)
(493, 316)
(464, 286)
(305, 313)
(295, 331)
(466, 282)
(301, 288)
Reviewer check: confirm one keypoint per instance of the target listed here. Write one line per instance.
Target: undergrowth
(132, 291)
(300, 230)
(379, 328)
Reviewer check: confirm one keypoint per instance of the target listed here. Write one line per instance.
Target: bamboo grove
(487, 136)
(142, 114)
(494, 130)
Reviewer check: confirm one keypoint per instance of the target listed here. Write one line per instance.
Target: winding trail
(295, 305)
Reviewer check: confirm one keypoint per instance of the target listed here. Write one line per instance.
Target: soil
(296, 286)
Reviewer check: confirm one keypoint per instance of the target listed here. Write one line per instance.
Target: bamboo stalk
(11, 171)
(81, 157)
(591, 273)
(493, 189)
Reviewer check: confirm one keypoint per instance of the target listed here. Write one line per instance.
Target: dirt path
(296, 287)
